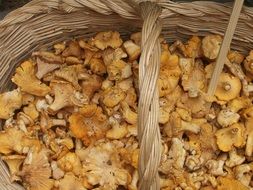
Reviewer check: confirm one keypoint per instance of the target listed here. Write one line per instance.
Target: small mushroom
(129, 115)
(113, 96)
(118, 131)
(243, 173)
(65, 95)
(132, 49)
(57, 173)
(192, 48)
(70, 181)
(48, 57)
(104, 40)
(97, 66)
(59, 48)
(72, 49)
(136, 37)
(118, 70)
(14, 140)
(9, 102)
(70, 74)
(215, 167)
(31, 111)
(70, 163)
(234, 159)
(211, 46)
(228, 88)
(36, 175)
(14, 162)
(235, 57)
(229, 137)
(249, 131)
(230, 183)
(238, 104)
(227, 117)
(248, 63)
(44, 68)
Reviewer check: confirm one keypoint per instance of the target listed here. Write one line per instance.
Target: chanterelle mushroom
(225, 183)
(36, 174)
(228, 88)
(14, 140)
(65, 95)
(27, 81)
(227, 117)
(229, 137)
(44, 68)
(101, 166)
(211, 46)
(107, 39)
(70, 182)
(89, 124)
(14, 162)
(70, 74)
(248, 63)
(9, 102)
(70, 163)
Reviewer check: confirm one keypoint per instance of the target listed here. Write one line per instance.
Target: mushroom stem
(227, 86)
(251, 65)
(249, 145)
(58, 122)
(250, 88)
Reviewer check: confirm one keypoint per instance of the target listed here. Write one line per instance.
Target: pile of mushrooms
(71, 122)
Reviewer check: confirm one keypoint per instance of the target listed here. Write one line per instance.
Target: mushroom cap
(248, 63)
(9, 102)
(228, 88)
(89, 124)
(44, 68)
(225, 183)
(232, 136)
(71, 182)
(36, 175)
(235, 57)
(70, 163)
(70, 74)
(49, 57)
(73, 49)
(14, 162)
(107, 39)
(25, 78)
(192, 48)
(211, 46)
(132, 49)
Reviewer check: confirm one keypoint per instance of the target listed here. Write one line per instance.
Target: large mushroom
(27, 81)
(228, 88)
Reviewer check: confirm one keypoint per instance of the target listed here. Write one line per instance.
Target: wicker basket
(41, 23)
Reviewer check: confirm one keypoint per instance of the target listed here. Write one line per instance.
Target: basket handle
(148, 107)
(225, 46)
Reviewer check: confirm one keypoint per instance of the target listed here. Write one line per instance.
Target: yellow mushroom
(228, 88)
(14, 162)
(25, 78)
(9, 102)
(232, 136)
(211, 46)
(107, 39)
(248, 63)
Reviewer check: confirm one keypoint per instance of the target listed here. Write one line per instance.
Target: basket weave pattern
(42, 23)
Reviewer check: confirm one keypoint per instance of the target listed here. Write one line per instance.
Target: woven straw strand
(148, 107)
